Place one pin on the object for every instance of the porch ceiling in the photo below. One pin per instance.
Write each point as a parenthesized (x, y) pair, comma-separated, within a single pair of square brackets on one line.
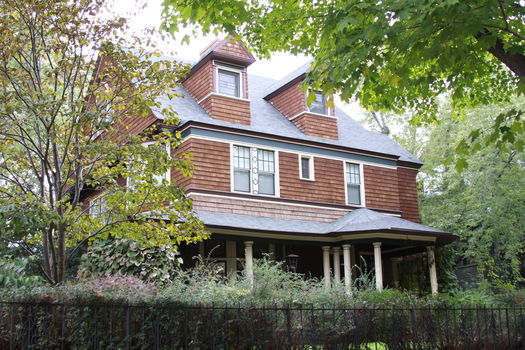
[(359, 225)]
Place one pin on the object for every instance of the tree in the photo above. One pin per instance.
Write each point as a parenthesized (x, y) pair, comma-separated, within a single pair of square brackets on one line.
[(392, 55), (71, 84)]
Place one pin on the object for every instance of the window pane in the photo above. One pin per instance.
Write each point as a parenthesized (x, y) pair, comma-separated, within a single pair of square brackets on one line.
[(266, 184), (241, 180), (241, 157), (354, 194), (305, 168), (353, 174), (228, 83), (265, 161), (319, 105)]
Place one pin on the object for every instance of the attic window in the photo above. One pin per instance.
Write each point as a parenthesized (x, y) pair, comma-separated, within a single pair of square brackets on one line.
[(229, 82), (319, 104)]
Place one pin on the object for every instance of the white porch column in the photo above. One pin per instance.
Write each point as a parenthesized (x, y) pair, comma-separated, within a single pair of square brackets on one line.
[(433, 273), (248, 256), (326, 266), (337, 264), (378, 266), (347, 268)]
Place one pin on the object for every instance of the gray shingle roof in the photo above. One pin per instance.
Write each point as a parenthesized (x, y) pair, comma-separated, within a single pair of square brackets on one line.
[(359, 220), (267, 119)]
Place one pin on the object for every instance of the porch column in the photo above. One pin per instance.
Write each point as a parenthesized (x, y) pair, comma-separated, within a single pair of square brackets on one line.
[(347, 268), (271, 251), (248, 256), (326, 266), (433, 273), (337, 264), (231, 259), (378, 266)]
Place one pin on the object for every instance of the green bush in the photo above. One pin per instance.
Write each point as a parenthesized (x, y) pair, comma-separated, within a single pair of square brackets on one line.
[(126, 257), (13, 273)]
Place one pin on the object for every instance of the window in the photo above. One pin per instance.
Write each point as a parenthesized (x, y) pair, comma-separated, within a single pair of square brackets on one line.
[(306, 164), (229, 82), (319, 104), (136, 163), (253, 170), (353, 183), (98, 209)]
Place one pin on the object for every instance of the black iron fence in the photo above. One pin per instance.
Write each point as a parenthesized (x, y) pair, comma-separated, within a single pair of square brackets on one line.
[(100, 326)]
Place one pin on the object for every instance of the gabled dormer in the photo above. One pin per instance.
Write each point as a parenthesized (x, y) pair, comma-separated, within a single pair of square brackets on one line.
[(289, 98), (219, 81)]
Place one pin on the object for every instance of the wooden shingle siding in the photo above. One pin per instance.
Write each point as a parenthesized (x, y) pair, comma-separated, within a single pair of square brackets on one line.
[(328, 186), (234, 48), (227, 109), (211, 165), (381, 187), (200, 83), (291, 101), (408, 199), (265, 209), (315, 125)]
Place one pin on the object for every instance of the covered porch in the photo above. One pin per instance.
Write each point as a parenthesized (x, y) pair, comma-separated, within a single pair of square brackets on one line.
[(337, 252)]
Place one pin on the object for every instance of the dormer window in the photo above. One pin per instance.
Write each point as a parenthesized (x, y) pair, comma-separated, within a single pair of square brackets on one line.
[(229, 80), (319, 104)]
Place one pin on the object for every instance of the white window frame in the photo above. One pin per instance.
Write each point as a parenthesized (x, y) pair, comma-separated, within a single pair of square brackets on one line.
[(310, 166), (276, 178), (239, 71), (329, 110), (100, 215), (361, 186), (167, 175)]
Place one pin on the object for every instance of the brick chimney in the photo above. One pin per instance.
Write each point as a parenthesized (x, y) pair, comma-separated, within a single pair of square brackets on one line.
[(219, 81), (289, 98)]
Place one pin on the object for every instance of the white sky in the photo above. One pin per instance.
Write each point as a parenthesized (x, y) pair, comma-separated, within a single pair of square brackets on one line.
[(277, 67)]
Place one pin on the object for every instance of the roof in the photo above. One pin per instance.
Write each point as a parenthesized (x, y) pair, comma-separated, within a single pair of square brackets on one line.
[(265, 118), (358, 221)]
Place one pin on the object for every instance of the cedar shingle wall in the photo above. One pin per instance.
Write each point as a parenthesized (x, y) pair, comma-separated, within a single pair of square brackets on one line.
[(408, 194), (318, 126), (328, 186), (176, 176), (211, 165), (381, 187), (200, 83), (265, 209), (227, 109), (291, 101)]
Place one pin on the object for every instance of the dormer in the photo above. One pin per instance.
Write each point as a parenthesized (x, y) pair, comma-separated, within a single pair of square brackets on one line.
[(289, 98), (219, 81)]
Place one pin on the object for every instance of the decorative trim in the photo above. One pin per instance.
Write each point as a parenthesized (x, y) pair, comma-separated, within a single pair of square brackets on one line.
[(314, 114), (223, 95), (217, 139), (283, 201), (290, 236)]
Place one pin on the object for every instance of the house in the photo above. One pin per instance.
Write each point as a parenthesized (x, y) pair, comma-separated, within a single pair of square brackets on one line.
[(275, 176)]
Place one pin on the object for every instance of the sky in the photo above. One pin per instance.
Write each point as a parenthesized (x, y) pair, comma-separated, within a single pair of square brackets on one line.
[(277, 67)]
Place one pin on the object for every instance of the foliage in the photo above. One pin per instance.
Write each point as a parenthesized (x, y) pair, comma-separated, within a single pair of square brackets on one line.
[(126, 257), (71, 79), (13, 273), (485, 204), (392, 55)]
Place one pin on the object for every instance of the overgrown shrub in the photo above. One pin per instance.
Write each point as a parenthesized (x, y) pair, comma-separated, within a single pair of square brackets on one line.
[(13, 273), (126, 257)]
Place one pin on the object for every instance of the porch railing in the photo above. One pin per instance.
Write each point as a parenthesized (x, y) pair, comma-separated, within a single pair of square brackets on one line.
[(104, 326)]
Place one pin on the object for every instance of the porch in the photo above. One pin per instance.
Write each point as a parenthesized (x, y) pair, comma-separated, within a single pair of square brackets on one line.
[(336, 252)]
